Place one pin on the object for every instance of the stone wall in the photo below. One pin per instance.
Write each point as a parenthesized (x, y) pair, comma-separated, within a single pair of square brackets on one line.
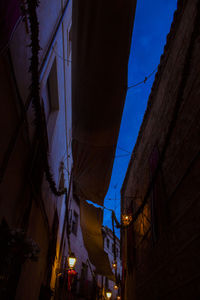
[(167, 263)]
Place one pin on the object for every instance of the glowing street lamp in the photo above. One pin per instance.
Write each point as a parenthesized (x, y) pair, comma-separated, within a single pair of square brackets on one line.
[(126, 219), (116, 287), (71, 261), (114, 264), (118, 297), (108, 294)]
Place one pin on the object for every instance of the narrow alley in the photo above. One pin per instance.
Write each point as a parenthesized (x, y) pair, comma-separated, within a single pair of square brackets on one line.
[(99, 159)]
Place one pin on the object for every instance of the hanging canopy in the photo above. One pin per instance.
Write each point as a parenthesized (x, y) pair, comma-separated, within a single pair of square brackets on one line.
[(91, 225), (10, 16), (101, 33)]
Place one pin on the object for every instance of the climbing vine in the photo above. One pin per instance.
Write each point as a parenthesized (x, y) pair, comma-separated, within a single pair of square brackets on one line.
[(35, 91)]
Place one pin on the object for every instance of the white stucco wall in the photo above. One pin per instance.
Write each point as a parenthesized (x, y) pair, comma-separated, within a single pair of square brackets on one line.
[(49, 12)]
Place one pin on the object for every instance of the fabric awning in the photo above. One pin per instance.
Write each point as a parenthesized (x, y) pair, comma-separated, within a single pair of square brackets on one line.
[(101, 34), (91, 224), (10, 16)]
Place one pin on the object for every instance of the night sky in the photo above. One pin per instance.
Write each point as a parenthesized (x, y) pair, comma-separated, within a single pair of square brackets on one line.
[(152, 24)]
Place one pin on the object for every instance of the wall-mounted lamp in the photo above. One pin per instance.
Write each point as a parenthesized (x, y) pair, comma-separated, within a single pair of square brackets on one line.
[(71, 261), (114, 264), (108, 294), (126, 219)]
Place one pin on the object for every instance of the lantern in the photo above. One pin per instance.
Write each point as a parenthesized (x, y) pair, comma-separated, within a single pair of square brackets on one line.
[(114, 264), (108, 294), (126, 219), (71, 260), (118, 297), (116, 287)]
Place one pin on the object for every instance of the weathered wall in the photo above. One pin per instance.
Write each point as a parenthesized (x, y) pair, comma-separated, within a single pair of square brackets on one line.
[(78, 247), (168, 267), (26, 201), (101, 280)]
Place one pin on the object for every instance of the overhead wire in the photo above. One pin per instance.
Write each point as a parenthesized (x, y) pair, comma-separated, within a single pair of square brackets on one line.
[(129, 87), (123, 155), (143, 81), (124, 149), (177, 106)]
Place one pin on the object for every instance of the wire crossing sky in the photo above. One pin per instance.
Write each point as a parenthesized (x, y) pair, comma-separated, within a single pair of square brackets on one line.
[(152, 24)]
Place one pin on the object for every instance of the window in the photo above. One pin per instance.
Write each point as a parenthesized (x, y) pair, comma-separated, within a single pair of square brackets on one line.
[(116, 252), (108, 243), (106, 283), (50, 100), (84, 271), (113, 248), (69, 44), (74, 223), (104, 238)]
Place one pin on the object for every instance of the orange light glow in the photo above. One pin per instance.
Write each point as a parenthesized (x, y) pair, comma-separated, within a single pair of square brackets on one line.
[(126, 219), (114, 264)]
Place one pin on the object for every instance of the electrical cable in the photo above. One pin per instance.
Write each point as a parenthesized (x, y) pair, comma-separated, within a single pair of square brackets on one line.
[(123, 155), (179, 99), (143, 81), (129, 87), (124, 149)]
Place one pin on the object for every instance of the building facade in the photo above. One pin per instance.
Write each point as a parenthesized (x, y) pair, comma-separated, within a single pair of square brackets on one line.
[(104, 283), (85, 286), (160, 193), (36, 160), (39, 212)]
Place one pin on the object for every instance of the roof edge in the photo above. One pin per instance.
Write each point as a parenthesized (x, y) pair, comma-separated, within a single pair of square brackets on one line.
[(163, 61)]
